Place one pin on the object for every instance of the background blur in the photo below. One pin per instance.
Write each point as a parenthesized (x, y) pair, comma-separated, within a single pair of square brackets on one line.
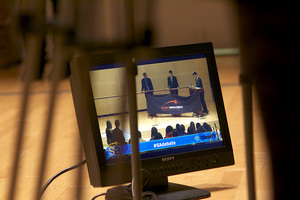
[(174, 22)]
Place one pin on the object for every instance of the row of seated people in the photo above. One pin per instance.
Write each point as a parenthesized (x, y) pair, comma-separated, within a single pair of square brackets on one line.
[(180, 130), (116, 135)]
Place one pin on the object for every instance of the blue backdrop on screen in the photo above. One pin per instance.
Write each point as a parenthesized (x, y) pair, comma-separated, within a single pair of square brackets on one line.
[(171, 104)]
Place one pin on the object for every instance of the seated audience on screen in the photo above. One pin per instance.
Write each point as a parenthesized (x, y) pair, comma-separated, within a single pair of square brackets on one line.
[(175, 133), (200, 129), (158, 136), (207, 126), (182, 130), (178, 128), (108, 131), (140, 137), (153, 133), (169, 132), (117, 134), (190, 131), (191, 128)]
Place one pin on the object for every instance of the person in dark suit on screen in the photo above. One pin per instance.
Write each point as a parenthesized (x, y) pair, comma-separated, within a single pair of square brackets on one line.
[(201, 94), (172, 83), (146, 85)]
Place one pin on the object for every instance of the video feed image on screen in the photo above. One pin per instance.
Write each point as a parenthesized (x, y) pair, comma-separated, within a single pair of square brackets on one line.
[(165, 120)]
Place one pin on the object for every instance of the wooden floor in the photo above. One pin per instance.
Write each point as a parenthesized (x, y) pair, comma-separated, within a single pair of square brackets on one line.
[(224, 183)]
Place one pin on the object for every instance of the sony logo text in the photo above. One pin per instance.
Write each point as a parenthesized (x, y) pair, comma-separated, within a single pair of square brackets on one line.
[(168, 158)]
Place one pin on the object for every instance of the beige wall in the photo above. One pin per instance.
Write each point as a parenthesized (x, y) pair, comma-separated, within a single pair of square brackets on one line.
[(108, 85), (178, 22), (175, 22)]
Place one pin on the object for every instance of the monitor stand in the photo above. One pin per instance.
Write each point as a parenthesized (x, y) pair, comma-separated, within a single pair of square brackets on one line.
[(163, 189)]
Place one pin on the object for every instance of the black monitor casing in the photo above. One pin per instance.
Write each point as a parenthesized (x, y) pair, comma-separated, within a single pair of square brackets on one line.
[(102, 174)]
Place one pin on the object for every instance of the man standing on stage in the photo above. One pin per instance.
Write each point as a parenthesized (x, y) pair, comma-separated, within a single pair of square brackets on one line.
[(172, 83), (201, 94), (147, 85)]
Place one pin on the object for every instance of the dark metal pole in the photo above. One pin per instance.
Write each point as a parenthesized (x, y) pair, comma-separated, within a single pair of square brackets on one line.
[(135, 152), (248, 121), (33, 49), (131, 72)]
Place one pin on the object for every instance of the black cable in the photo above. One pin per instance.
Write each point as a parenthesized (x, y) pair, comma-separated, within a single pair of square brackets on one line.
[(98, 195), (60, 173), (149, 193)]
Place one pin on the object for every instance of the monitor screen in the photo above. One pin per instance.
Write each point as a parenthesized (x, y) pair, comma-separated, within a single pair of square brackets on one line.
[(160, 104), (182, 122)]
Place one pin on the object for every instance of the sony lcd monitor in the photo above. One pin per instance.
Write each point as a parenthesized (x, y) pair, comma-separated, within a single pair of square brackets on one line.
[(182, 122)]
